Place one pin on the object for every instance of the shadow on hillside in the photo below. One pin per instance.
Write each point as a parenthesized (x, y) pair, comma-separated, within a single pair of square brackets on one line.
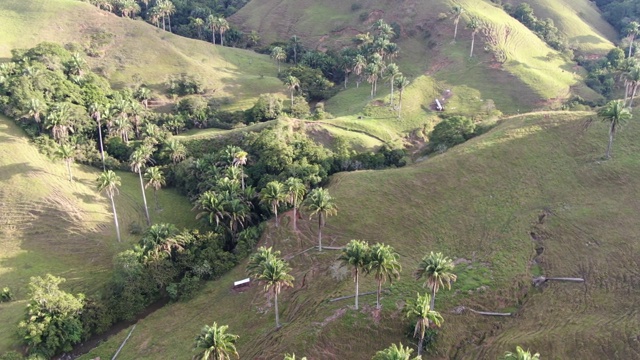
[(589, 39), (9, 171)]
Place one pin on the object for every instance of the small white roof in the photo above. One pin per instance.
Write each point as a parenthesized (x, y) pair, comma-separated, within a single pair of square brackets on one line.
[(241, 282)]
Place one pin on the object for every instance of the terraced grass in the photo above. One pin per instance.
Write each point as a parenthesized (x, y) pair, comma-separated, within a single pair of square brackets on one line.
[(233, 76), (481, 203), (48, 225)]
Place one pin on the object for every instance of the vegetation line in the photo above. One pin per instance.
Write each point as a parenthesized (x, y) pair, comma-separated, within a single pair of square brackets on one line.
[(124, 342), (348, 129)]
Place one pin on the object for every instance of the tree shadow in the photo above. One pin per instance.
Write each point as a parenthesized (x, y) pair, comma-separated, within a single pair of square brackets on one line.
[(7, 172)]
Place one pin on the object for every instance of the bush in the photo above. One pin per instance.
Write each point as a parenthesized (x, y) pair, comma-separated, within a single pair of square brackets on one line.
[(268, 107), (6, 295), (356, 6), (11, 355), (452, 131)]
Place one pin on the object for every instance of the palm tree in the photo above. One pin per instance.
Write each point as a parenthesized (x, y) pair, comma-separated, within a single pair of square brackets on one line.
[(474, 26), (278, 54), (214, 343), (320, 203), (36, 109), (174, 150), (155, 179), (168, 9), (359, 64), (211, 205), (383, 263), (275, 276), (240, 160), (199, 24), (237, 212), (222, 26), (137, 161), (58, 122), (633, 82), (295, 43), (401, 84), (95, 111), (395, 352), (213, 25), (108, 182), (292, 84), (66, 152), (520, 354), (632, 30), (437, 271), (616, 114), (295, 191), (356, 254), (273, 194), (457, 13), (421, 311), (391, 72), (257, 260), (144, 95)]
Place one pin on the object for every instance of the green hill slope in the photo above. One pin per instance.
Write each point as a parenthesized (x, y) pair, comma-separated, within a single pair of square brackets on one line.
[(532, 197), (134, 47), (48, 225)]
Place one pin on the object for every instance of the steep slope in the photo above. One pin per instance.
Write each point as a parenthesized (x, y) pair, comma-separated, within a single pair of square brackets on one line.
[(532, 197), (48, 225), (133, 48), (512, 66)]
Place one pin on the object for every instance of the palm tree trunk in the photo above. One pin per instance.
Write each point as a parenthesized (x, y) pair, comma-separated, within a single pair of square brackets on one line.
[(101, 146), (115, 217), (420, 342), (144, 198), (378, 295), (631, 45), (68, 162), (221, 41), (372, 90), (346, 77), (612, 130), (633, 94), (164, 21), (357, 288), (391, 102), (433, 298), (155, 195), (626, 90), (278, 65), (400, 104), (375, 87), (275, 211), (473, 40), (455, 34), (277, 315), (320, 232), (291, 100), (295, 217), (169, 21), (242, 177)]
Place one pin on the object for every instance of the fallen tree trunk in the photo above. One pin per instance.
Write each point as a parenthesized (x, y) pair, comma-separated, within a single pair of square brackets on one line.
[(541, 280), (352, 296), (460, 309)]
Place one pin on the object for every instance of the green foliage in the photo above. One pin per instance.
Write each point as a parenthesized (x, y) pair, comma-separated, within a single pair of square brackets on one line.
[(52, 322), (6, 295), (300, 109), (452, 131), (268, 107), (214, 343), (11, 355), (184, 84), (395, 352), (520, 354), (545, 29), (313, 83)]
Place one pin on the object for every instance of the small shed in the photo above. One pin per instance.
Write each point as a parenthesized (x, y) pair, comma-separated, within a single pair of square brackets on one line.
[(241, 283)]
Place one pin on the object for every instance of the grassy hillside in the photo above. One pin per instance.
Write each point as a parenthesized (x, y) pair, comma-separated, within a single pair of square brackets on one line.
[(580, 21), (134, 47), (530, 197), (48, 225)]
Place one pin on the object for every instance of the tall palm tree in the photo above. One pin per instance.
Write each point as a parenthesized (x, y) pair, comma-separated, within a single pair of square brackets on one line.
[(238, 213), (395, 352), (371, 72), (257, 260), (275, 276), (212, 23), (211, 206), (278, 54), (273, 194), (457, 13), (95, 111), (437, 270), (421, 311), (108, 182), (632, 30), (223, 26), (294, 41), (383, 263), (632, 79), (391, 72), (155, 179), (174, 150), (292, 84), (320, 203), (474, 26), (66, 152), (295, 190), (137, 161), (359, 64), (240, 160), (58, 122), (520, 354), (401, 84), (214, 343), (199, 24), (356, 254), (616, 114)]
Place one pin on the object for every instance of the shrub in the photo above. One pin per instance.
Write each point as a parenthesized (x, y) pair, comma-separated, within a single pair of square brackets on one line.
[(452, 131), (268, 107), (6, 295), (356, 6)]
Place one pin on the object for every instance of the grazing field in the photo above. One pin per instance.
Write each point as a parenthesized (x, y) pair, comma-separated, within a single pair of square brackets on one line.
[(531, 197), (49, 225), (131, 48)]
